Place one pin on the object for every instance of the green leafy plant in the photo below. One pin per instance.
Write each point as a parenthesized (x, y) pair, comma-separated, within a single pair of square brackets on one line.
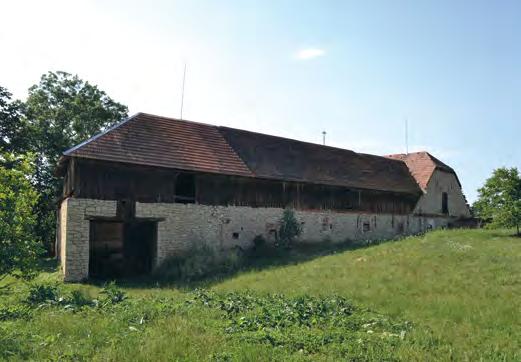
[(289, 228), (79, 298), (306, 324), (113, 294), (43, 293)]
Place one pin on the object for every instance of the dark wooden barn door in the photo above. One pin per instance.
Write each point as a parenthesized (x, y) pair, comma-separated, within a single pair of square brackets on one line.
[(106, 249), (139, 247), (119, 250)]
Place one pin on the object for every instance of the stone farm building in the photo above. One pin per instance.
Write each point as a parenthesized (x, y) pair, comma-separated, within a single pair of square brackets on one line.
[(150, 187)]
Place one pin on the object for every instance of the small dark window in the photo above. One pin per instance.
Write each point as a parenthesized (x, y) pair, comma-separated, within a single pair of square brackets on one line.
[(366, 227), (349, 199), (235, 235), (444, 203), (185, 188)]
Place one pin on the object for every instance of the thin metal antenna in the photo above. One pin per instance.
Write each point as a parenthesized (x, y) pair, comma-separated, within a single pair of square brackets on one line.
[(324, 138), (406, 136), (183, 92)]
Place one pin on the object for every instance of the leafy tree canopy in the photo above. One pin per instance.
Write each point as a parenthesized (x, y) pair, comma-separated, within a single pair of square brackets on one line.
[(13, 127), (500, 199), (65, 110), (61, 111)]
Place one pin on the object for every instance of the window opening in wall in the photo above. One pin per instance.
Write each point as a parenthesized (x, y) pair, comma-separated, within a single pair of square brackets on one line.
[(185, 188), (366, 226), (444, 203), (235, 235)]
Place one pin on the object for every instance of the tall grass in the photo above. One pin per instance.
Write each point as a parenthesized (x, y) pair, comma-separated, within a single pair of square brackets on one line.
[(464, 284), (455, 294)]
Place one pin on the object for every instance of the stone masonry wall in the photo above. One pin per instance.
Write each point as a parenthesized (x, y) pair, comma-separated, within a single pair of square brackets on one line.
[(74, 234), (222, 227), (227, 227)]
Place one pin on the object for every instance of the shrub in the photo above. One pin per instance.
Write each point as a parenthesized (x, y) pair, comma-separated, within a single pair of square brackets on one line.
[(43, 293), (79, 298), (113, 294), (289, 228)]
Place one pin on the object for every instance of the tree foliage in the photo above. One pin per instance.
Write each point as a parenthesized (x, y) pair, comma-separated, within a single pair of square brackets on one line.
[(61, 111), (500, 199), (19, 248), (13, 127), (64, 110)]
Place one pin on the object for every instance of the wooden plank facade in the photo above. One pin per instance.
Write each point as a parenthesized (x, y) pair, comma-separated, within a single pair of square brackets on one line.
[(103, 180)]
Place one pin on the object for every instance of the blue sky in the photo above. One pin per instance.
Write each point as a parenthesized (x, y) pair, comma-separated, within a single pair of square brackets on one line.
[(295, 68)]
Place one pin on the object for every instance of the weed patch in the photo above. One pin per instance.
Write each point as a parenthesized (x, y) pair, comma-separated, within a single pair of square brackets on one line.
[(307, 325)]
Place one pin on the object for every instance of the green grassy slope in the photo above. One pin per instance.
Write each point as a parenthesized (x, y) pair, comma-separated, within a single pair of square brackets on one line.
[(460, 289), (464, 284)]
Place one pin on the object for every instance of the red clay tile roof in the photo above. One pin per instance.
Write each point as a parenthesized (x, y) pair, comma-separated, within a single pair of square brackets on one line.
[(286, 159), (422, 165), (166, 142), (158, 141)]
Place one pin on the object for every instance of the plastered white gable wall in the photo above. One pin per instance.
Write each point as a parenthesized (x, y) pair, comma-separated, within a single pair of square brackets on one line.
[(430, 202)]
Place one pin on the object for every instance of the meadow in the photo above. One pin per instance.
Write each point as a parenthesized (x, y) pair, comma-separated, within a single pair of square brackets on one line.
[(446, 295)]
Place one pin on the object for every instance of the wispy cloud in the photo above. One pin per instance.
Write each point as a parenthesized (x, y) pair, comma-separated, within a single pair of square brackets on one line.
[(309, 53)]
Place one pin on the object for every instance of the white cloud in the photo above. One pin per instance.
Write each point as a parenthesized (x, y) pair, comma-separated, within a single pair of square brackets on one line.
[(310, 53)]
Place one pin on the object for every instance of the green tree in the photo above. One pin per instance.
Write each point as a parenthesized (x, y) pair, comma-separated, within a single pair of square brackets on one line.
[(62, 110), (19, 248), (289, 228), (65, 110), (14, 129), (500, 199)]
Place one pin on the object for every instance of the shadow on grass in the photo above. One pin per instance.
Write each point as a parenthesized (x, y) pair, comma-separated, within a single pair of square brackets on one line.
[(267, 258)]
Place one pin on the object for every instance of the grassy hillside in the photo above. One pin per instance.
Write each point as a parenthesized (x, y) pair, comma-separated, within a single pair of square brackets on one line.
[(465, 285), (446, 295)]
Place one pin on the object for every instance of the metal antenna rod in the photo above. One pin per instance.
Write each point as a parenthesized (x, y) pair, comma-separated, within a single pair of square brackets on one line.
[(324, 138), (406, 136), (183, 92)]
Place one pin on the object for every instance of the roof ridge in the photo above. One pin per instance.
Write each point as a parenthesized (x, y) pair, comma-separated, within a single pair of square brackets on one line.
[(177, 119), (217, 127), (288, 139), (266, 134)]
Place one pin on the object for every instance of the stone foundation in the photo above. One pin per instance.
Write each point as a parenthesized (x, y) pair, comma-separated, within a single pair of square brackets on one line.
[(223, 227)]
